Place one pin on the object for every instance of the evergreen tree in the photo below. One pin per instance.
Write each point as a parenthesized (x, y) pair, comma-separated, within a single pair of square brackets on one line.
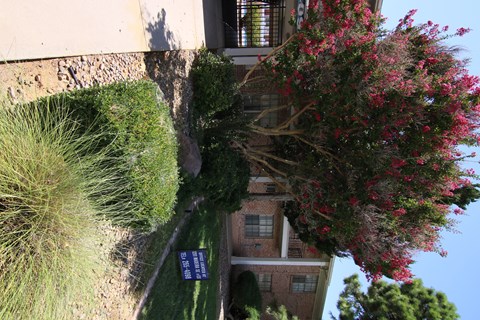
[(391, 301)]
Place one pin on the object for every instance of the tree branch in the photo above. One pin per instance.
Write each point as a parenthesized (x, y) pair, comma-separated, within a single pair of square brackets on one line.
[(321, 151), (271, 156), (273, 132), (259, 160), (295, 116), (269, 110), (249, 73)]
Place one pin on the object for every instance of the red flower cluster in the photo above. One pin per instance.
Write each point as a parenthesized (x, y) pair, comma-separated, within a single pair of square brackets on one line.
[(388, 112)]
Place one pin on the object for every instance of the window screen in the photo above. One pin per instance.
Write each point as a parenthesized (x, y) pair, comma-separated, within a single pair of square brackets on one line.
[(264, 281), (257, 226), (304, 283)]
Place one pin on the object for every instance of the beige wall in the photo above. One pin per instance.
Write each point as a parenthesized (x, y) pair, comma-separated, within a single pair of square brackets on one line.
[(32, 29)]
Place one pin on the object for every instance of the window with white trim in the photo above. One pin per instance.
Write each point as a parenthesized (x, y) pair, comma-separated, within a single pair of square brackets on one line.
[(304, 283), (258, 226), (264, 281)]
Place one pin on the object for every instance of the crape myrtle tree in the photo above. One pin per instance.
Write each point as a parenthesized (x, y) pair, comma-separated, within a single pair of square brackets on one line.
[(392, 301), (369, 152)]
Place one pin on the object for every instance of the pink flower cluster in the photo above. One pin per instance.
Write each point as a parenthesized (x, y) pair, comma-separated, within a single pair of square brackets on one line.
[(389, 115)]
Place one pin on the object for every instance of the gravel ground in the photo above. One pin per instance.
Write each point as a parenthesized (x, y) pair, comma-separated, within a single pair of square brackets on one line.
[(121, 249)]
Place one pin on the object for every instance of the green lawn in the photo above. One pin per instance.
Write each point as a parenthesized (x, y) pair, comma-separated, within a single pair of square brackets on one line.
[(157, 242), (172, 298)]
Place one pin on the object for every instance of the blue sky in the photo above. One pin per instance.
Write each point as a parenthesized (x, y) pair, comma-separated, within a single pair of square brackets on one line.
[(457, 274)]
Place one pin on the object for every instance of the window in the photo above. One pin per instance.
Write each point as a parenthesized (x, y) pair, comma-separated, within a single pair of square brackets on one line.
[(271, 188), (253, 104), (264, 281), (304, 283), (294, 236), (257, 226)]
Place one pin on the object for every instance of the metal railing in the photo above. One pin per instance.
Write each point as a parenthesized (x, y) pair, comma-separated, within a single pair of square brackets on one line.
[(258, 24)]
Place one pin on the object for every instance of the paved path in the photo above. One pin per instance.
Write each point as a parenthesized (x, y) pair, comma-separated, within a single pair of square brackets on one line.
[(35, 29)]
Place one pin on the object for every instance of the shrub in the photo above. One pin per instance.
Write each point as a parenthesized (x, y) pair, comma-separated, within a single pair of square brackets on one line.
[(224, 177), (52, 189), (218, 119), (253, 314), (132, 118), (214, 84), (246, 293)]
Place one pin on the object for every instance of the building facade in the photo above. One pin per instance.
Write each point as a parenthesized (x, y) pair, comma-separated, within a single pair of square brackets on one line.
[(288, 271)]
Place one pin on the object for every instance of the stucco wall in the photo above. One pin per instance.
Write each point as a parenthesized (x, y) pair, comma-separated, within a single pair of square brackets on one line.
[(32, 29)]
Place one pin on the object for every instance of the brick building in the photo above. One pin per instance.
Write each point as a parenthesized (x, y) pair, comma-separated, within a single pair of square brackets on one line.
[(288, 272), (262, 241)]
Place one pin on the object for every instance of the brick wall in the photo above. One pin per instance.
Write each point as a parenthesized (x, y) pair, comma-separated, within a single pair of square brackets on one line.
[(252, 246), (300, 304)]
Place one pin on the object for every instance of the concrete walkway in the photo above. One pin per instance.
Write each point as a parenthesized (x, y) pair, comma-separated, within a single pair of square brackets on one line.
[(35, 29)]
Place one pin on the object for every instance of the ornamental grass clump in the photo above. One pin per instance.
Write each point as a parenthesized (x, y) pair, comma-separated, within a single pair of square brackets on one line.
[(132, 121), (53, 190)]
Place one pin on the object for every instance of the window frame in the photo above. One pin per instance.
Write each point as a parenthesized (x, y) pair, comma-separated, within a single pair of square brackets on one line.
[(270, 188), (254, 228), (264, 281), (255, 103), (304, 283)]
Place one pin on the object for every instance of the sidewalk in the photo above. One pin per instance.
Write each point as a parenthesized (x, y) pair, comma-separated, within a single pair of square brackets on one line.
[(35, 29)]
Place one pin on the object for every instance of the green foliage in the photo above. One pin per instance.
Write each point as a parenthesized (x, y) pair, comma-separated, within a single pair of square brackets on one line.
[(280, 313), (214, 84), (246, 293), (218, 119), (253, 314), (392, 301), (138, 125), (217, 104), (463, 196), (224, 177), (53, 189)]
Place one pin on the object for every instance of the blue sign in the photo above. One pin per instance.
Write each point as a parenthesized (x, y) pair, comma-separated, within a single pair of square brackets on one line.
[(193, 264)]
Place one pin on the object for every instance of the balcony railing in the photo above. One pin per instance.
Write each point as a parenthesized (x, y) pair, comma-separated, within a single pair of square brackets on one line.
[(255, 24)]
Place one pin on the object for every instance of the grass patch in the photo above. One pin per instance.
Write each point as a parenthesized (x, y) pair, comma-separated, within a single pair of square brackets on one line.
[(173, 298), (52, 189), (138, 126), (158, 239)]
